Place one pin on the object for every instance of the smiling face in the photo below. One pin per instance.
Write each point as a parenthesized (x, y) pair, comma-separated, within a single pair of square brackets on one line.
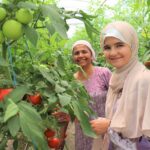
[(117, 53), (82, 55)]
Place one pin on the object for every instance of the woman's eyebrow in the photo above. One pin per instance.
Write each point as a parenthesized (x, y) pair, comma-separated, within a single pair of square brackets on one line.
[(119, 43), (114, 43)]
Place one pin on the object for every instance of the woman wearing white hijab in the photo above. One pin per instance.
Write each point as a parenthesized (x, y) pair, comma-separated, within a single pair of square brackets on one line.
[(127, 122), (96, 81)]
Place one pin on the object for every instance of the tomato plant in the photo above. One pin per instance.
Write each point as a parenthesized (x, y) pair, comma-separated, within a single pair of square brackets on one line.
[(54, 142), (32, 59)]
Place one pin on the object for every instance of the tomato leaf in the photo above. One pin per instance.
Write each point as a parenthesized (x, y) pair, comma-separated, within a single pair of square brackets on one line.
[(45, 73), (14, 125), (52, 99), (31, 35), (64, 83), (59, 89), (27, 5), (31, 125), (64, 99), (58, 23), (18, 93), (83, 118), (11, 110), (50, 28)]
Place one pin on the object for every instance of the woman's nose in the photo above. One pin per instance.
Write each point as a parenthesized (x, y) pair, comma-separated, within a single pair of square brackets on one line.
[(113, 51), (80, 54)]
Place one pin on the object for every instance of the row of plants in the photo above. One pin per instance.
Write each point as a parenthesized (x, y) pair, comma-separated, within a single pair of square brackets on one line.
[(36, 78)]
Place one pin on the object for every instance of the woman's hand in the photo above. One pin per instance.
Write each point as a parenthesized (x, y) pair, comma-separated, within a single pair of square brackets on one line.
[(100, 125)]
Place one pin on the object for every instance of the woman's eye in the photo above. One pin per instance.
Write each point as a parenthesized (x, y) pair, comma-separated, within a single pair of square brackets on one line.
[(106, 48), (84, 52), (80, 52), (120, 45), (76, 53)]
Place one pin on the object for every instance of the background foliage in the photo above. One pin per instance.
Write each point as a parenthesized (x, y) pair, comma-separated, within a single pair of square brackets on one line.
[(133, 11)]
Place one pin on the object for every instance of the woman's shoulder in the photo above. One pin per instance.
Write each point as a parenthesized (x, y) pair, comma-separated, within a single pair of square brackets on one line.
[(142, 77), (104, 73), (102, 69)]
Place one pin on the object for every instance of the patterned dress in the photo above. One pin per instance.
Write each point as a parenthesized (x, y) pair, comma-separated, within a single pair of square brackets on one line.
[(96, 86)]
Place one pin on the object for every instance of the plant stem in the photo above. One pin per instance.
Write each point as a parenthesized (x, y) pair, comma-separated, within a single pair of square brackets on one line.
[(5, 69), (4, 51)]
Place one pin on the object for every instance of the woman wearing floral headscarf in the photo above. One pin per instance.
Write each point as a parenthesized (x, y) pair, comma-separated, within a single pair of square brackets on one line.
[(127, 122), (95, 79)]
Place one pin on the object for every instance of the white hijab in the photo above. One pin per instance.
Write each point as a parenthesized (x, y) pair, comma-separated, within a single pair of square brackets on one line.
[(131, 117), (86, 43)]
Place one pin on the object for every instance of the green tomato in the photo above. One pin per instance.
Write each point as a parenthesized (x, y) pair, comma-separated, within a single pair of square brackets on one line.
[(1, 37), (24, 15), (2, 13), (12, 29)]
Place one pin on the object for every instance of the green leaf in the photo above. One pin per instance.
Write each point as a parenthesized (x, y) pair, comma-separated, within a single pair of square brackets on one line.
[(58, 23), (11, 110), (59, 89), (61, 65), (32, 126), (18, 93), (32, 131), (85, 15), (24, 126), (60, 61), (50, 28), (14, 125), (31, 35), (27, 5), (30, 111), (83, 118), (52, 99), (64, 99), (45, 73), (64, 83)]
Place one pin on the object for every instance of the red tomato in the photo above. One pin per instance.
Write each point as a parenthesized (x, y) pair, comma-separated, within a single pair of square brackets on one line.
[(4, 92), (34, 99), (49, 133), (54, 142)]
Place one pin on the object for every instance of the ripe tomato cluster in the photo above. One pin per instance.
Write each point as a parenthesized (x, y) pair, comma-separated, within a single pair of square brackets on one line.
[(53, 142), (34, 99), (49, 133)]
